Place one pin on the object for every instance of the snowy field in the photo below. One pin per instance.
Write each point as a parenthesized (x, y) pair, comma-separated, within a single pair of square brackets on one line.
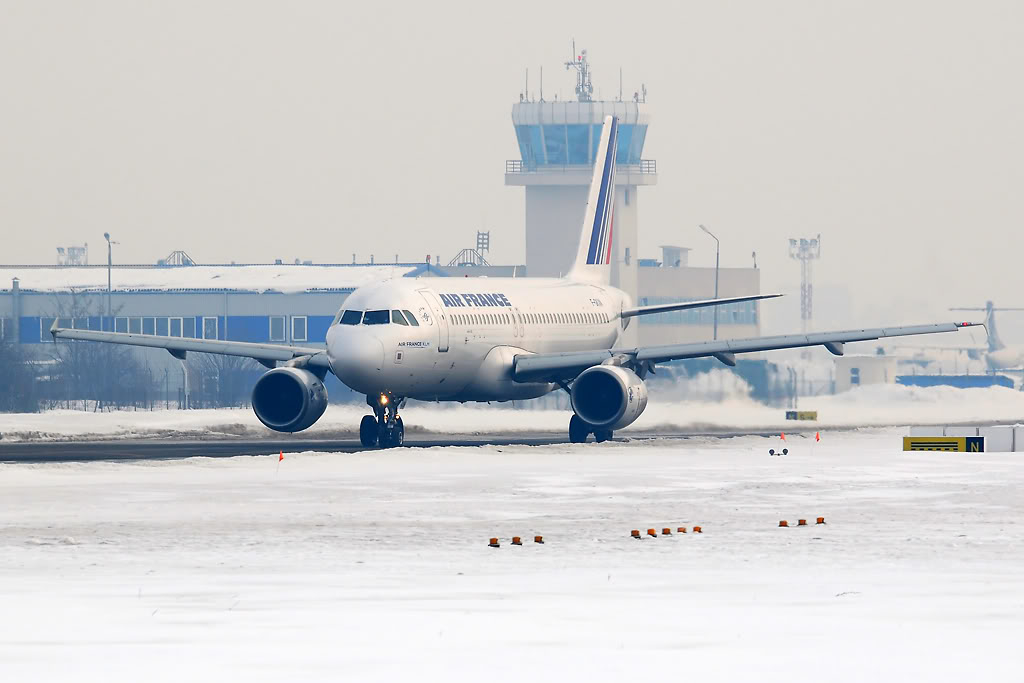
[(375, 566), (869, 406)]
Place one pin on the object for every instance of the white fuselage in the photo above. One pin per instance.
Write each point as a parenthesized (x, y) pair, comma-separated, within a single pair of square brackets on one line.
[(468, 332)]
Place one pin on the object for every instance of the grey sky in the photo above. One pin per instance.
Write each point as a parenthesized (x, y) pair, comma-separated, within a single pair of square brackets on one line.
[(251, 130)]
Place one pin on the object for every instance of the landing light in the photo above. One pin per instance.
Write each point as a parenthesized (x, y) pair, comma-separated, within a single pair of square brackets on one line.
[(383, 400)]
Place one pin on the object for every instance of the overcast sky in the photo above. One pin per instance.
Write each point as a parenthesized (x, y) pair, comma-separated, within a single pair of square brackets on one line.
[(249, 131)]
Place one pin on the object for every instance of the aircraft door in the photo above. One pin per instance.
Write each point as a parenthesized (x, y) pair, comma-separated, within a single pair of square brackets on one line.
[(438, 312), (518, 318)]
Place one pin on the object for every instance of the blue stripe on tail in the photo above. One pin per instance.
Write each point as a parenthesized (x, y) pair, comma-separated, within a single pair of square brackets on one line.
[(600, 229)]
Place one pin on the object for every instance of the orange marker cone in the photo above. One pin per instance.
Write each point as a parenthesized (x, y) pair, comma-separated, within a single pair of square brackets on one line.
[(494, 543), (516, 540), (681, 530), (652, 532), (782, 436), (281, 457), (697, 530), (666, 532), (817, 437), (635, 533), (538, 539), (783, 523)]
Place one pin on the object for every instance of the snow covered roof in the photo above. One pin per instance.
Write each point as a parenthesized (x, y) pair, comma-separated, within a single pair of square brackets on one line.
[(250, 278)]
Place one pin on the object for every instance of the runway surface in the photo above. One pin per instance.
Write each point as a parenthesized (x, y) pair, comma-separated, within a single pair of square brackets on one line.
[(169, 449)]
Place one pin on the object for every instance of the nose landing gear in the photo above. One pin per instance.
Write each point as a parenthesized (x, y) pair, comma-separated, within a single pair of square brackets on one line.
[(384, 428)]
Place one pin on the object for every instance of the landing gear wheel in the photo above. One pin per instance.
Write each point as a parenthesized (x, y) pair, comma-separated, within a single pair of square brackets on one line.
[(392, 436), (368, 431), (602, 435), (398, 434), (578, 429)]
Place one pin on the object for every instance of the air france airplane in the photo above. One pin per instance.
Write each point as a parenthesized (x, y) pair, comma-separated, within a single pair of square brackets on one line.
[(488, 339)]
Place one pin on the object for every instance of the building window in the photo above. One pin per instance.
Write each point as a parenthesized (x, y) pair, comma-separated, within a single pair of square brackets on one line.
[(299, 328), (135, 325), (5, 328), (149, 326), (277, 328), (121, 325), (188, 327), (209, 328), (175, 326), (161, 327), (855, 376)]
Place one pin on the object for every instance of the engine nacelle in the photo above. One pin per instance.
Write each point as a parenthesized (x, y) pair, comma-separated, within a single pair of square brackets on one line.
[(289, 399), (608, 396)]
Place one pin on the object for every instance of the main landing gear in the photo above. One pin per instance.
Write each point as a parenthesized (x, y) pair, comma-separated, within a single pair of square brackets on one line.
[(580, 430), (384, 428)]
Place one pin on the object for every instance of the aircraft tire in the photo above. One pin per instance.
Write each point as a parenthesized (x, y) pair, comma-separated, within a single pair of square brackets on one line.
[(602, 435), (578, 429), (398, 435), (368, 431)]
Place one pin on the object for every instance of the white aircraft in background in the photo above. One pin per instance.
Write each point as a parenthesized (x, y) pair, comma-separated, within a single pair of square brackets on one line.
[(489, 339)]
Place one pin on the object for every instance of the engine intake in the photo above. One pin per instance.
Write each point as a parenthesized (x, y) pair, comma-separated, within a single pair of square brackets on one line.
[(608, 396), (289, 399)]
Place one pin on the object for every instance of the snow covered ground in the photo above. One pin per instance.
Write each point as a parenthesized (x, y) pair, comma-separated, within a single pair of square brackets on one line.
[(375, 566), (878, 405)]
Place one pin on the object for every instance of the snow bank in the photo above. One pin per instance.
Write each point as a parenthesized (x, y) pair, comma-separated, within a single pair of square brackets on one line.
[(257, 278), (877, 405)]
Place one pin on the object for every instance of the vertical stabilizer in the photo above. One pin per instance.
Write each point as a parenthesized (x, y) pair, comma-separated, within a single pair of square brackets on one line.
[(594, 254)]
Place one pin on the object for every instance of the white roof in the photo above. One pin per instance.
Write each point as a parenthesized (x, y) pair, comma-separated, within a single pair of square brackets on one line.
[(253, 278)]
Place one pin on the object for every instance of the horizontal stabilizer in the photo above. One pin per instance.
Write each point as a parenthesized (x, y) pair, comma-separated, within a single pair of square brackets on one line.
[(685, 305)]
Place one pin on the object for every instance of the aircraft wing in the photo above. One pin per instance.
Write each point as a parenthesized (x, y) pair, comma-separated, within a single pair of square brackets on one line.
[(555, 367), (267, 354)]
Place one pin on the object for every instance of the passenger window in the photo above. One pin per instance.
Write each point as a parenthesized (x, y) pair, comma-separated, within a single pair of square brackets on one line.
[(398, 318), (377, 317), (411, 318), (351, 317)]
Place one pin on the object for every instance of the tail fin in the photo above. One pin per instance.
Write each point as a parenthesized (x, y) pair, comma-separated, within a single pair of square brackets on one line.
[(594, 254)]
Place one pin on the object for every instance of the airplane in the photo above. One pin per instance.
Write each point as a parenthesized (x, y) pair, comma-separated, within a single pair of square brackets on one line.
[(998, 356), (489, 339)]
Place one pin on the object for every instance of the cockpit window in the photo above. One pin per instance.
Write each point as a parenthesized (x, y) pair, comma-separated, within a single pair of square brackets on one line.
[(351, 317), (398, 318), (377, 317), (411, 318)]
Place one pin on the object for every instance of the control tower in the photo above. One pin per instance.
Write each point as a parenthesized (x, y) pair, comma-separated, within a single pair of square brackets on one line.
[(557, 145)]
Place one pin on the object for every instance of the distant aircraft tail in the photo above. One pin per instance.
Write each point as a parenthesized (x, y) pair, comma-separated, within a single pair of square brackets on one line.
[(594, 254), (994, 342)]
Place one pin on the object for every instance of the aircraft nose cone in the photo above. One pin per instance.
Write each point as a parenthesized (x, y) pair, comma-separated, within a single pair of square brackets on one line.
[(356, 358)]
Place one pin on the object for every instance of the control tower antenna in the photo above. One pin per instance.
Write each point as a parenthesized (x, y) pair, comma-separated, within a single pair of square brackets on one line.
[(805, 251), (584, 89)]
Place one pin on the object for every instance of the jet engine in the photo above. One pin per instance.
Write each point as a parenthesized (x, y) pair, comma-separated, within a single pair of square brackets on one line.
[(608, 397), (289, 399)]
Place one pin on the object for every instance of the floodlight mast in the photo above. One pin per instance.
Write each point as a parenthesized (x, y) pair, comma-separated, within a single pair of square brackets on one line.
[(805, 250)]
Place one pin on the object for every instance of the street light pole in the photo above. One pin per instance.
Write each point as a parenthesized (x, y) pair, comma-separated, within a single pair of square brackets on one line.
[(717, 251), (110, 263)]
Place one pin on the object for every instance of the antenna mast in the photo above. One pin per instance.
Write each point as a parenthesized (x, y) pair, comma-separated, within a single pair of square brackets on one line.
[(584, 88)]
